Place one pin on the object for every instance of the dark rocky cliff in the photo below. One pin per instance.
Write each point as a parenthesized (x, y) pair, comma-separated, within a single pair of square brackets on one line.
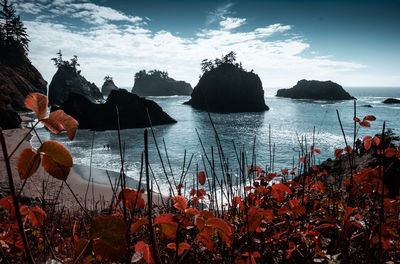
[(157, 83), (66, 80), (18, 78), (131, 108), (316, 90), (228, 88)]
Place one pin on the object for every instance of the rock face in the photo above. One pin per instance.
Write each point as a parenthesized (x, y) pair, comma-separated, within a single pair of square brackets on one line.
[(67, 80), (391, 101), (157, 83), (18, 78), (107, 87), (228, 88), (316, 90), (131, 108)]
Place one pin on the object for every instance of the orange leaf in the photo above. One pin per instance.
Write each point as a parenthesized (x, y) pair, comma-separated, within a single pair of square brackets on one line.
[(37, 102), (180, 202), (36, 216), (201, 177), (138, 224), (28, 162), (338, 153), (145, 250), (108, 235), (59, 121), (57, 160)]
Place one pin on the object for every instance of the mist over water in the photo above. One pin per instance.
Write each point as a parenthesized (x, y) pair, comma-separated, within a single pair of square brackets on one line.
[(289, 120)]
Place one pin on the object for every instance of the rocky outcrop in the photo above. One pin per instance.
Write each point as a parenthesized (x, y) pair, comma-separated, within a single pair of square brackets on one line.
[(107, 87), (157, 83), (68, 80), (316, 90), (131, 109), (391, 101), (228, 88), (18, 78)]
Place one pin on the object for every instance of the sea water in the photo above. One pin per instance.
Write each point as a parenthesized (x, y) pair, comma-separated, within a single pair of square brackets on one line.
[(280, 129)]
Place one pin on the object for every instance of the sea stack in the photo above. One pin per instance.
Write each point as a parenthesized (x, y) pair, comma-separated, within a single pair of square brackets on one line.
[(132, 111), (391, 101), (108, 86), (68, 79), (315, 90), (158, 83), (225, 87)]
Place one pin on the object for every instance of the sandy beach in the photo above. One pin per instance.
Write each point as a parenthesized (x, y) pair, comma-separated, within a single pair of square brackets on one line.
[(94, 196)]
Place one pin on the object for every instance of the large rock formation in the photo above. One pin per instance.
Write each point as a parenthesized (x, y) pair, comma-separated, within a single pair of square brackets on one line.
[(157, 83), (131, 109), (68, 80), (108, 86), (316, 90), (18, 78), (228, 88), (391, 101)]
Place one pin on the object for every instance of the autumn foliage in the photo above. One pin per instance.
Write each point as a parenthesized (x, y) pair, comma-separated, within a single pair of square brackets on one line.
[(291, 216)]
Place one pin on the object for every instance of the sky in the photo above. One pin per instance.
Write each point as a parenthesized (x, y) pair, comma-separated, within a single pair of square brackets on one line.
[(353, 42)]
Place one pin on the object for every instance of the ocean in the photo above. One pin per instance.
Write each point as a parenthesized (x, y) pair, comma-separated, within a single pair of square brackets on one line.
[(287, 122)]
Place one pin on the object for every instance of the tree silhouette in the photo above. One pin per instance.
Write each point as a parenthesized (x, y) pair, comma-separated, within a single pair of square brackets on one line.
[(230, 58), (72, 64), (12, 30), (108, 78)]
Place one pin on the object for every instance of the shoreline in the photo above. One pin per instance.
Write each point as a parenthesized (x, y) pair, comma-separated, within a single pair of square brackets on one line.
[(98, 195)]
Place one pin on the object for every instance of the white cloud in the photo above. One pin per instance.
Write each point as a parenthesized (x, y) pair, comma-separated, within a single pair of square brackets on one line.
[(96, 14), (232, 22), (121, 49), (219, 13)]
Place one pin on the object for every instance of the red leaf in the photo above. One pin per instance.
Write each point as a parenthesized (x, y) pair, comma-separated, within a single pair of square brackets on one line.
[(318, 151), (367, 142), (108, 236), (145, 250), (365, 124), (348, 149), (192, 211), (390, 152), (338, 153), (202, 177), (168, 225), (370, 118), (282, 187), (356, 119), (138, 224), (59, 121), (180, 203), (182, 247), (376, 140), (28, 162), (37, 102), (36, 216), (57, 160)]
